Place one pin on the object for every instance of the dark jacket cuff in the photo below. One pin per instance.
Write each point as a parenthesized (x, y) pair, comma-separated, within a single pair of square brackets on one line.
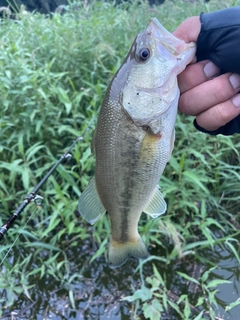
[(227, 130)]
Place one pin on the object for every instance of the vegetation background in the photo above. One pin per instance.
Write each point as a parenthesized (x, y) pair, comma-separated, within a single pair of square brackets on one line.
[(54, 71)]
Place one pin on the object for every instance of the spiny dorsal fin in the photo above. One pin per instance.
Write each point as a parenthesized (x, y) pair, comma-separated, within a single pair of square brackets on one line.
[(156, 205), (89, 204)]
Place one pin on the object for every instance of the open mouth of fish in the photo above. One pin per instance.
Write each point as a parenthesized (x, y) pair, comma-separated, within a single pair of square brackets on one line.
[(164, 38)]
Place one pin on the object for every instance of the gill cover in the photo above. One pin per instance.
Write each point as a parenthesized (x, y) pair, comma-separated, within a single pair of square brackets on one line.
[(151, 87)]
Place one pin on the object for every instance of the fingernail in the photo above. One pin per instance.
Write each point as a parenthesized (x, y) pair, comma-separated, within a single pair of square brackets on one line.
[(211, 70), (235, 80), (236, 101)]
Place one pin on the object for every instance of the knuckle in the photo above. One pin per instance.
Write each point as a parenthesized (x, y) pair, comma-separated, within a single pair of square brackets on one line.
[(219, 92), (191, 79), (222, 89), (223, 114), (184, 104)]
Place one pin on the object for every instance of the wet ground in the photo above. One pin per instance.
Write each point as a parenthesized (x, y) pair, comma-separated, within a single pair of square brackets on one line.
[(98, 291)]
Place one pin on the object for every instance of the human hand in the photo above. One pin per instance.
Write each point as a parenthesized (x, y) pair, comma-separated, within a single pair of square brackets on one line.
[(212, 98)]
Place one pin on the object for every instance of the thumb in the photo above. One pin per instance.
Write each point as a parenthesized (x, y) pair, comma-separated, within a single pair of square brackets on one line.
[(189, 29)]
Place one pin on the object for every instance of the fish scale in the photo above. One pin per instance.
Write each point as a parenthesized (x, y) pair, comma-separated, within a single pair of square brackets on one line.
[(134, 139)]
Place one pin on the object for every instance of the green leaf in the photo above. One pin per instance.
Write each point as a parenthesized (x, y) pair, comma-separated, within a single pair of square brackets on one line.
[(31, 152), (158, 275), (25, 177), (205, 275), (72, 300), (199, 317), (152, 310), (187, 309), (64, 98), (196, 179), (143, 294), (200, 302), (216, 282), (185, 276), (100, 251), (234, 251), (232, 305)]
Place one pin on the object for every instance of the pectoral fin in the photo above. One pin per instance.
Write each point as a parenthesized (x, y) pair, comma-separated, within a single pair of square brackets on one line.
[(89, 204), (156, 205)]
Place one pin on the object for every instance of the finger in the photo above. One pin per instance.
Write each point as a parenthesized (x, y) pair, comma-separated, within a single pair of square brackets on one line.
[(189, 29), (209, 94), (219, 115), (196, 74)]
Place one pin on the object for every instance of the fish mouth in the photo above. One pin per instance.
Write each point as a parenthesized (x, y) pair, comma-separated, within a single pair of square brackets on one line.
[(173, 45)]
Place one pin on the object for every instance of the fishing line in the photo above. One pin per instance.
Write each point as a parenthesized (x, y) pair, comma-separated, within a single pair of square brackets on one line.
[(38, 200), (12, 245)]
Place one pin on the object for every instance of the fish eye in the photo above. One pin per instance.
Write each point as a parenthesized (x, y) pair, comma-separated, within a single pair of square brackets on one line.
[(143, 54)]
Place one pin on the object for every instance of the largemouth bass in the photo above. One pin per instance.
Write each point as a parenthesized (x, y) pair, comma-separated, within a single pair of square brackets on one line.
[(134, 139)]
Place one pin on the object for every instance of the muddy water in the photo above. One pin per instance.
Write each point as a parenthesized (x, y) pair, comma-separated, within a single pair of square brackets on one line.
[(99, 290)]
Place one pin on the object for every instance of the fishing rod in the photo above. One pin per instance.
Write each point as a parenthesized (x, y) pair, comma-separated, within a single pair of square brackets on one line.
[(33, 196)]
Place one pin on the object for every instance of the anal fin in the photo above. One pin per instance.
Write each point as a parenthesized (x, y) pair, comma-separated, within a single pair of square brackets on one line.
[(89, 204), (156, 205)]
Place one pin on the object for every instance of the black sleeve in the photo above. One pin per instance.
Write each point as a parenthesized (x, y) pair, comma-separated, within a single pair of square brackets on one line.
[(219, 41)]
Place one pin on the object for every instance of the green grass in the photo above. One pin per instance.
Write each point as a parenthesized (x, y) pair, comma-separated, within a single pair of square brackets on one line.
[(53, 75)]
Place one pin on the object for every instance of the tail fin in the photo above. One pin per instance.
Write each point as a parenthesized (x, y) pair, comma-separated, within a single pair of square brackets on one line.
[(118, 252)]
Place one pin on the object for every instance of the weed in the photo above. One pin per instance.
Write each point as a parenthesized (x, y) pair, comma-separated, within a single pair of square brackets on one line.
[(53, 75)]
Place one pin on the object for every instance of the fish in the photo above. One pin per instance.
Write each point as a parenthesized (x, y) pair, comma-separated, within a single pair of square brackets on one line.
[(134, 139)]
